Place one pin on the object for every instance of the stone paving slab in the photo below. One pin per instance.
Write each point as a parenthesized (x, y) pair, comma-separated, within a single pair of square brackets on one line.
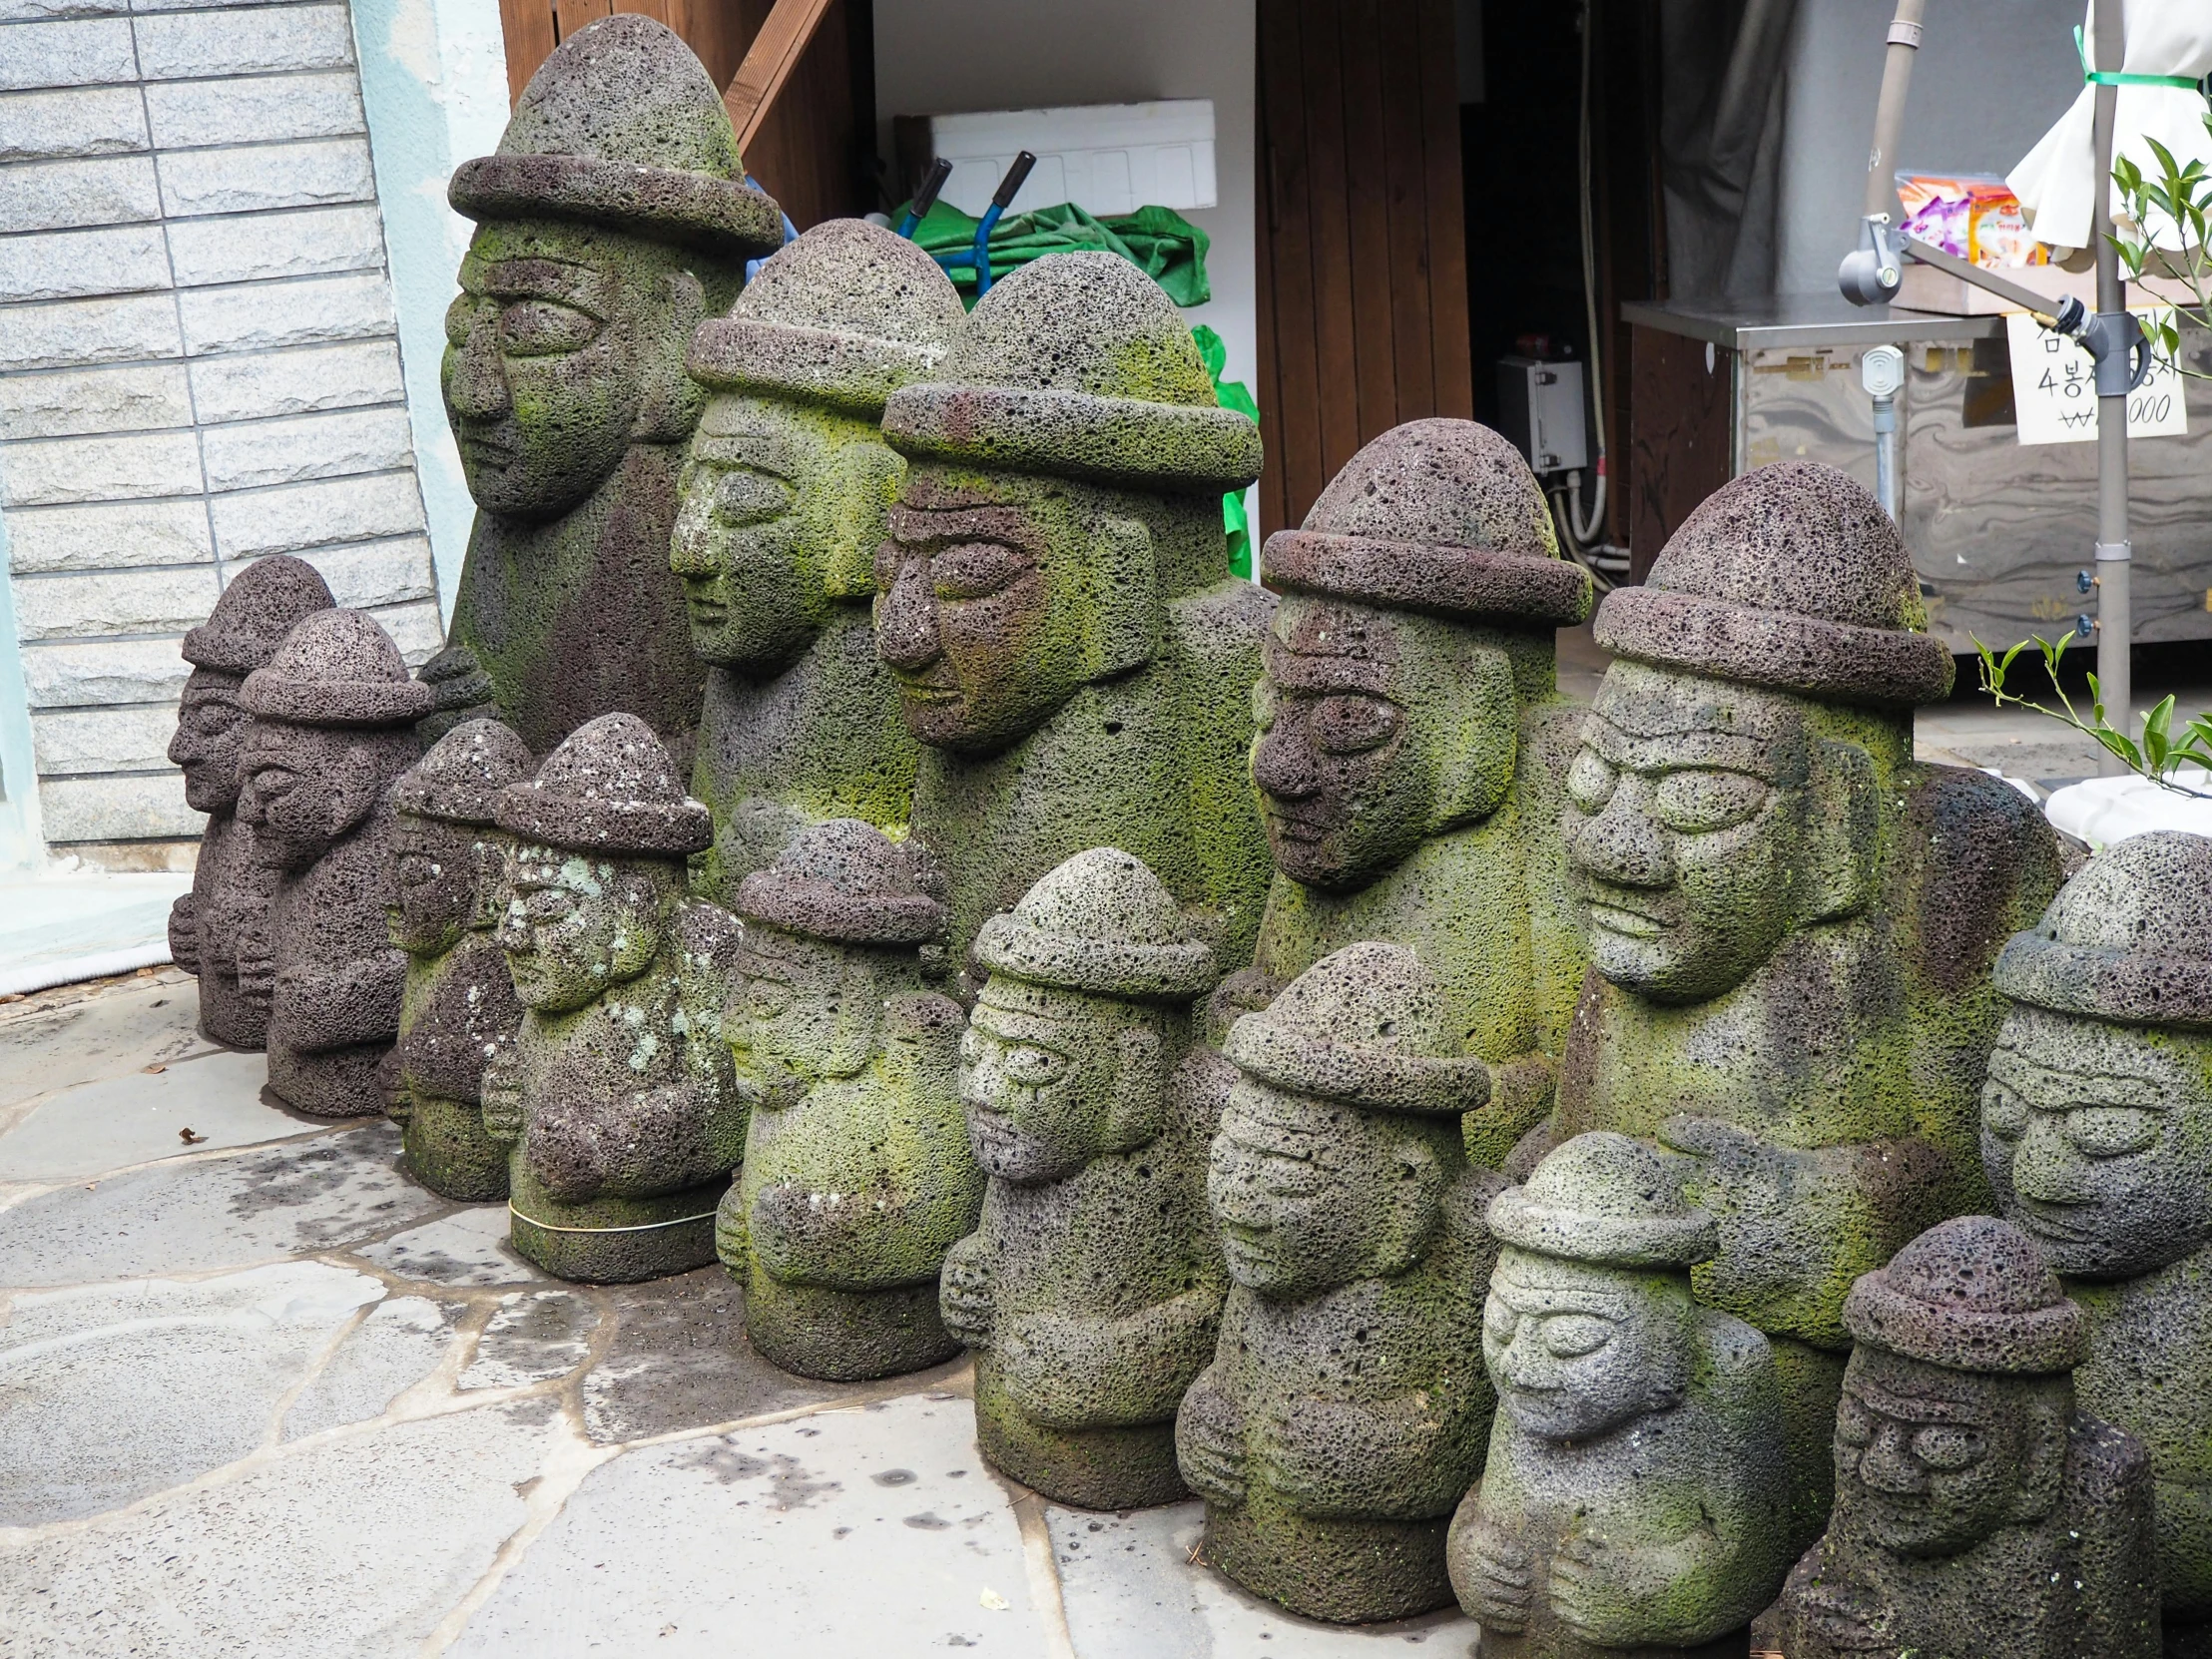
[(143, 1116), (467, 1248), (59, 1040)]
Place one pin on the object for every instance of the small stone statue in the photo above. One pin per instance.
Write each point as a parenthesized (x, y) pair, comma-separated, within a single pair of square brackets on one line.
[(229, 887), (857, 1176), (613, 219), (617, 1095), (1092, 1291), (1056, 607), (459, 1013), (1346, 1412), (333, 728), (782, 507), (1636, 1499), (1978, 1513), (1412, 746), (2096, 1127)]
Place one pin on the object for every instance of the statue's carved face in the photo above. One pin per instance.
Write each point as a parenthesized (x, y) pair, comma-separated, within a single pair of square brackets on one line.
[(1931, 1462), (576, 927), (1685, 828), (305, 788), (1577, 1350), (802, 1011), (1052, 1078), (445, 879), (1373, 734), (564, 349), (1309, 1195), (210, 740), (2099, 1140)]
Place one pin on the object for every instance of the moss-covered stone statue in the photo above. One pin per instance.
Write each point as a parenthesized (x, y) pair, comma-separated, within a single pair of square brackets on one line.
[(857, 1176), (1346, 1412), (229, 887), (617, 1096), (332, 728), (1092, 1289), (1791, 920), (1979, 1513), (1056, 607), (613, 219), (1636, 1500), (446, 888), (780, 510), (1412, 742), (2096, 1126)]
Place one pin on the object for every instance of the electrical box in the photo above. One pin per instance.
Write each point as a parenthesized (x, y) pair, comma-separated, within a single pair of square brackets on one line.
[(1540, 406)]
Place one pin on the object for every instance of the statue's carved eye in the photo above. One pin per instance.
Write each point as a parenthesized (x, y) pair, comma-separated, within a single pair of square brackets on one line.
[(748, 497), (972, 1047), (1699, 803), (2004, 1113), (547, 904), (1344, 724), (1571, 1336), (976, 569), (889, 557), (1590, 781), (1033, 1067), (1499, 1322), (767, 998), (541, 327), (2112, 1131), (1853, 1426), (416, 870), (215, 718), (461, 316), (1948, 1447)]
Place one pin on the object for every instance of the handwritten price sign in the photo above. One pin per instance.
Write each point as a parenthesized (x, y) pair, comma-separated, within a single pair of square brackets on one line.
[(2055, 391)]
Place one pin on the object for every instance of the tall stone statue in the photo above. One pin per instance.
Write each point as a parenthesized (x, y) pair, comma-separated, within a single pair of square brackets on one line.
[(1346, 1412), (857, 1176), (780, 510), (1979, 1513), (333, 728), (613, 219), (229, 887), (2096, 1126), (617, 1096), (1412, 743), (1791, 920), (1636, 1502), (1092, 1289), (447, 883), (1056, 607)]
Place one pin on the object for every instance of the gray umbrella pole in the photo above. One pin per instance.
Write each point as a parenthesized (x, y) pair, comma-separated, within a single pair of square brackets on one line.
[(2115, 631)]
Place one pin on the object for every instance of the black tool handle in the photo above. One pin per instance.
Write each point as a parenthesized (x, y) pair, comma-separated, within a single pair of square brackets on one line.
[(927, 197), (1016, 176)]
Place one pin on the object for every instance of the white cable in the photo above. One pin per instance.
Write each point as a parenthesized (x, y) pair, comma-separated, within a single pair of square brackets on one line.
[(1590, 532)]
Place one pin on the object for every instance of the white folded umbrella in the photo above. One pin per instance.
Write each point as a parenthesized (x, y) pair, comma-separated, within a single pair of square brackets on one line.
[(2169, 49)]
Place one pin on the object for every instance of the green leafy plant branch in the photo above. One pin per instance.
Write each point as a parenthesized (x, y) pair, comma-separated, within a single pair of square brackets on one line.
[(2182, 197), (2157, 754)]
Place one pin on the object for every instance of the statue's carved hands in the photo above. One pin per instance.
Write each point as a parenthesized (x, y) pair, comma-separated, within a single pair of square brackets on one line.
[(1500, 1578), (1210, 1440), (391, 1085), (966, 1297), (1847, 1613), (459, 681), (257, 960), (184, 933), (502, 1097), (1586, 1590), (733, 1244)]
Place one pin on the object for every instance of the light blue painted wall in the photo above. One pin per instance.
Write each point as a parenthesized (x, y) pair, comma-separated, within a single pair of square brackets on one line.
[(22, 840), (435, 85)]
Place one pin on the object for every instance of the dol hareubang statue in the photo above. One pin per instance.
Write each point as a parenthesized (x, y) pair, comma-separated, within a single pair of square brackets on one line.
[(458, 1013), (229, 887), (1978, 1513), (1092, 1289), (2096, 1126), (613, 219), (1413, 741), (617, 1096), (780, 510), (1055, 601), (1346, 1412)]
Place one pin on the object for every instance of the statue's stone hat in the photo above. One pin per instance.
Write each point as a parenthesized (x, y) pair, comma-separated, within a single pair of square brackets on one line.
[(337, 668), (609, 788), (1607, 1198), (1970, 1294), (1790, 577), (848, 881), (844, 317), (263, 604), (1365, 1025), (1101, 923), (462, 779), (1436, 515), (2129, 938), (1078, 365), (622, 126)]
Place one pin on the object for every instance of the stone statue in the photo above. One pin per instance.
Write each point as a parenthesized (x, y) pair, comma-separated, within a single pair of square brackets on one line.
[(446, 888), (1790, 921), (1980, 1514), (1346, 1412), (229, 887), (780, 509), (2096, 1127), (332, 728), (617, 1096), (1092, 1289), (1412, 743), (1056, 607), (1636, 1500), (613, 219), (857, 1176)]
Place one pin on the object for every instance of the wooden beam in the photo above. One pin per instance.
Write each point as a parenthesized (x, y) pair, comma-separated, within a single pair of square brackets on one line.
[(768, 62)]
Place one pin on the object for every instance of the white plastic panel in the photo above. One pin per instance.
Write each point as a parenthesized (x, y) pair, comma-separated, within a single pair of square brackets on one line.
[(1106, 158)]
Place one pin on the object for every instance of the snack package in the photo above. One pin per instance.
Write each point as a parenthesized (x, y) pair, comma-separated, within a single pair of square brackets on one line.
[(1973, 216)]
